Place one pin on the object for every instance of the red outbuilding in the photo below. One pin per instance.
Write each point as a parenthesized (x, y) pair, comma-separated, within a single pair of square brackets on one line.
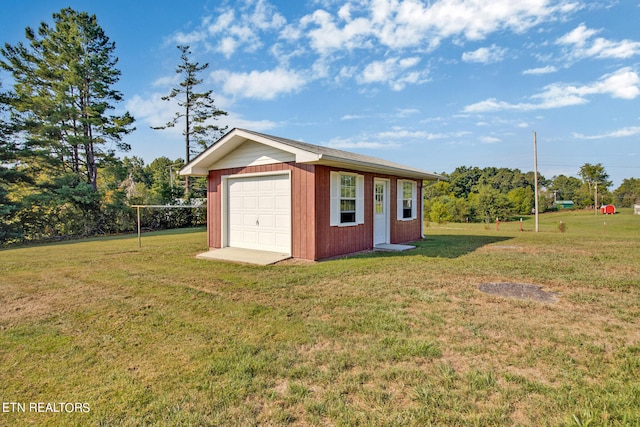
[(608, 209), (307, 201)]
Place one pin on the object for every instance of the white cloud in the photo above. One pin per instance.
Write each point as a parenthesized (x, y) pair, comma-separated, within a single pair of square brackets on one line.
[(423, 135), (404, 112), (485, 55), (403, 134), (620, 133), (335, 29), (581, 45), (166, 81), (352, 117), (623, 83), (235, 29), (412, 23), (578, 37), (394, 72), (153, 111), (489, 140), (542, 70), (262, 85), (351, 143)]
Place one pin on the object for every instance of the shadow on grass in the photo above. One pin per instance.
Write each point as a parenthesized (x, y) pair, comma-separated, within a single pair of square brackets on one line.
[(103, 237), (447, 246), (438, 246)]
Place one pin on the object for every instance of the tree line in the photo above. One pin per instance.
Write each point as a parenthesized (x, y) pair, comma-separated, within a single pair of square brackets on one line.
[(484, 195), (61, 174)]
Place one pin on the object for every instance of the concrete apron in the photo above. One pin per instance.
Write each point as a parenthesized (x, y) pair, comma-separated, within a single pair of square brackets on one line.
[(392, 247), (246, 256)]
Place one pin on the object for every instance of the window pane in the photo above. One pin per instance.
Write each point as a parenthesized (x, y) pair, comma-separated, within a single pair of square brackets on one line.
[(347, 217), (347, 186), (347, 199), (379, 199), (407, 190), (347, 205)]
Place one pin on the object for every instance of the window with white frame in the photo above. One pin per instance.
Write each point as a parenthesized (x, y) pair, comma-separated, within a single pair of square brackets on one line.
[(407, 199), (347, 199)]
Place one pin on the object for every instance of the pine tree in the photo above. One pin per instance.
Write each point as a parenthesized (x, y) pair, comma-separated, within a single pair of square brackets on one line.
[(9, 176), (63, 83), (196, 109)]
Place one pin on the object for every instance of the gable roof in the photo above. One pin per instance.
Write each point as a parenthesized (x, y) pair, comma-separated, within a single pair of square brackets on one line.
[(304, 153)]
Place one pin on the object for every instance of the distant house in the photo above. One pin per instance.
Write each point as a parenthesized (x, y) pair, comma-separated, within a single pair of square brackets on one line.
[(608, 209), (312, 202), (563, 204)]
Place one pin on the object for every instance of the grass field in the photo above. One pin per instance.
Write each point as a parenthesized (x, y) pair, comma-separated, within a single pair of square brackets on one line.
[(153, 336)]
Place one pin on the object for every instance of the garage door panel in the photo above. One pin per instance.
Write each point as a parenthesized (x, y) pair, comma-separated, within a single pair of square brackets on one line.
[(259, 213), (281, 221), (265, 202), (248, 219), (266, 239), (282, 203), (235, 203), (249, 185), (266, 223), (281, 185), (249, 237), (250, 204), (264, 185), (235, 219), (282, 239)]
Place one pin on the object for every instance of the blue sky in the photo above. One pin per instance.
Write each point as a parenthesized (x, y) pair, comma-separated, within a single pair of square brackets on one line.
[(431, 84)]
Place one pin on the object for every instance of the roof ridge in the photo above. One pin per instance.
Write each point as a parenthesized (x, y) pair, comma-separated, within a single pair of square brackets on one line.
[(335, 152)]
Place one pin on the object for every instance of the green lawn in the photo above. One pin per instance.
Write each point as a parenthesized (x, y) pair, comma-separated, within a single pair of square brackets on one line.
[(153, 336)]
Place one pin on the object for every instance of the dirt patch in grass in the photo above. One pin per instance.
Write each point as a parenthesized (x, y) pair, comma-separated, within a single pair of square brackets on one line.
[(522, 291)]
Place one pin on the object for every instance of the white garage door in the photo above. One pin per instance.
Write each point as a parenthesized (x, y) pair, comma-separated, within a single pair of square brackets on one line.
[(259, 214)]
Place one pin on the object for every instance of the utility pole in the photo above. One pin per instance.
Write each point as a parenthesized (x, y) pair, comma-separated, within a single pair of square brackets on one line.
[(595, 198), (535, 179)]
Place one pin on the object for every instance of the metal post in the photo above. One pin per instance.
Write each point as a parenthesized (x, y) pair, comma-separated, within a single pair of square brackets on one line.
[(595, 198), (535, 171)]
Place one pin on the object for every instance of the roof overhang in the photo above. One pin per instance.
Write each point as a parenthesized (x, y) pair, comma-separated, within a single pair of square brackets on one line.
[(232, 140), (201, 165), (405, 172)]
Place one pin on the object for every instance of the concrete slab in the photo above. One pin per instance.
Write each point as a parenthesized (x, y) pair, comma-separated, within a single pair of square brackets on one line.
[(392, 248), (246, 256)]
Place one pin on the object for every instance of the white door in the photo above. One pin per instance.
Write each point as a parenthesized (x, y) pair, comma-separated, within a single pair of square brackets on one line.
[(380, 211), (259, 213)]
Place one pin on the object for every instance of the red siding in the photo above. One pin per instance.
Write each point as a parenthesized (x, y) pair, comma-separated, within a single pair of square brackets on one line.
[(302, 214), (302, 201), (312, 236), (333, 241), (405, 231), (214, 210)]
